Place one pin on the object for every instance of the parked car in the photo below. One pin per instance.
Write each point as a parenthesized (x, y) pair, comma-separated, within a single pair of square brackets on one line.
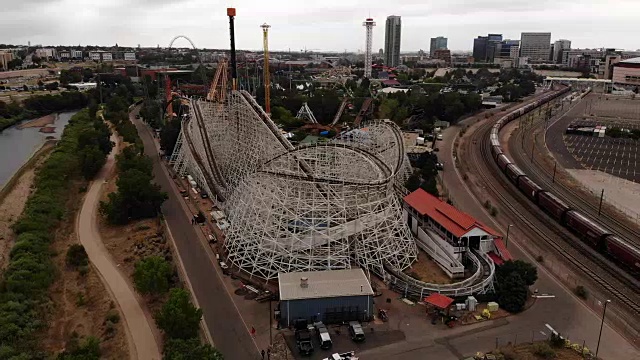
[(323, 336), (356, 332), (303, 337)]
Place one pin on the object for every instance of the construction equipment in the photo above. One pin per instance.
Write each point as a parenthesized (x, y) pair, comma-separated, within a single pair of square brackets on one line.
[(267, 76)]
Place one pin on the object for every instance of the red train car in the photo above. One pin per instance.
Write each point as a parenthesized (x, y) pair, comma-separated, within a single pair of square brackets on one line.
[(554, 206), (586, 229), (528, 187), (623, 252), (503, 161)]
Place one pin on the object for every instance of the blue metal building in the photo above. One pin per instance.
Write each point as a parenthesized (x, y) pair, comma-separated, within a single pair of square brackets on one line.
[(330, 296)]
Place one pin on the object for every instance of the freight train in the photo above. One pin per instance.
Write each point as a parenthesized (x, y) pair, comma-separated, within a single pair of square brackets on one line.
[(603, 240)]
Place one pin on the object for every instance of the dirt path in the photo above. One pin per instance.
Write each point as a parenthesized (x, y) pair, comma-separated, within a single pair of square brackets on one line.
[(142, 344)]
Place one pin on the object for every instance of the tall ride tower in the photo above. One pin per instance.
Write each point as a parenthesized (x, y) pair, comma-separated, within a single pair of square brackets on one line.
[(231, 13), (369, 24), (267, 76)]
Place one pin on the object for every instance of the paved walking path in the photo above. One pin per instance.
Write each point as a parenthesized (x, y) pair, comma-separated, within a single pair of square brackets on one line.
[(142, 343)]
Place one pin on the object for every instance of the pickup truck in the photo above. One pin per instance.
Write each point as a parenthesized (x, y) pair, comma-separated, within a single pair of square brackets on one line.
[(303, 342)]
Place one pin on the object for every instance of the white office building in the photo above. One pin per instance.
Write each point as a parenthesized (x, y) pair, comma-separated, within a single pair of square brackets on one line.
[(535, 46)]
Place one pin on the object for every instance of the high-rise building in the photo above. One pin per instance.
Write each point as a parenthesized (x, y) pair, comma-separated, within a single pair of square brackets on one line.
[(535, 45), (480, 48), (558, 47), (484, 47), (392, 37), (437, 43)]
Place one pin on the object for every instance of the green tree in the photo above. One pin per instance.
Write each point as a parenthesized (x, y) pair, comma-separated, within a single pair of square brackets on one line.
[(137, 198), (413, 182), (178, 318), (169, 135), (89, 349), (525, 270), (512, 292), (91, 161), (77, 256), (152, 275), (190, 349)]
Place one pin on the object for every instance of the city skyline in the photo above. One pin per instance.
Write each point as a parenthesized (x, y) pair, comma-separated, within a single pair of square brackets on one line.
[(314, 26)]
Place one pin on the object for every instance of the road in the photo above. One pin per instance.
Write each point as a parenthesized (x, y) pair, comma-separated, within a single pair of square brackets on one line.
[(566, 313), (141, 340), (222, 318)]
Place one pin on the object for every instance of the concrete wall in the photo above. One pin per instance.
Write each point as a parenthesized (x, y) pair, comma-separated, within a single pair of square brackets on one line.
[(620, 75), (315, 309)]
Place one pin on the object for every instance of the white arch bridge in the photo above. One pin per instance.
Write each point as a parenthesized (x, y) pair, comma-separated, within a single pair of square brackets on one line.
[(312, 207)]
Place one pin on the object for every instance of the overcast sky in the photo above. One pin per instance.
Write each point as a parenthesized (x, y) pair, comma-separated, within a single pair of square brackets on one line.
[(315, 24)]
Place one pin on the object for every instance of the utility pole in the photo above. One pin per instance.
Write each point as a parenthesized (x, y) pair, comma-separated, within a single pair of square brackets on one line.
[(506, 242), (604, 312), (601, 198)]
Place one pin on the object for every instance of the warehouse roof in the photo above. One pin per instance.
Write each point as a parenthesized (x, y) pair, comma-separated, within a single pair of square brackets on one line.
[(324, 284)]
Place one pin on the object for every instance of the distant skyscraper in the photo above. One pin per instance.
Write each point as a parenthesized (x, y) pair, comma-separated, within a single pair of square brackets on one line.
[(558, 47), (480, 48), (392, 38), (484, 47), (535, 46), (381, 53), (437, 43), (369, 24)]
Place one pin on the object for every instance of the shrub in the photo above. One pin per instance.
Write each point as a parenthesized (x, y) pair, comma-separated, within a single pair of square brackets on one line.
[(77, 256), (494, 211), (540, 259), (178, 349), (544, 351), (178, 318), (581, 291), (89, 349), (487, 204), (113, 316), (152, 275)]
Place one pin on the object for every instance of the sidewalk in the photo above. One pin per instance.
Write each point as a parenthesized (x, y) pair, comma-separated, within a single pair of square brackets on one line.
[(142, 343)]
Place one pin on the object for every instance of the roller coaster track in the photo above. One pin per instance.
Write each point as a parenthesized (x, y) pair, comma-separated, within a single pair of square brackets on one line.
[(343, 105), (573, 251)]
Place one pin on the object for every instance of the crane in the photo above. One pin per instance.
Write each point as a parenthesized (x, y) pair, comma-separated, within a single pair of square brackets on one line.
[(267, 80)]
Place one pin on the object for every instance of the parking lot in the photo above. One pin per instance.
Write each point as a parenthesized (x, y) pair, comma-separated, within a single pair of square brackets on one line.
[(379, 336), (613, 107), (618, 157)]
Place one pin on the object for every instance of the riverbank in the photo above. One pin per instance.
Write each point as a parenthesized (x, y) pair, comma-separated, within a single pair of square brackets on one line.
[(39, 122), (14, 195)]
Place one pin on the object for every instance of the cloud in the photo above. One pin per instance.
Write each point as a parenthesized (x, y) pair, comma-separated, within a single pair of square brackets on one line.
[(327, 25)]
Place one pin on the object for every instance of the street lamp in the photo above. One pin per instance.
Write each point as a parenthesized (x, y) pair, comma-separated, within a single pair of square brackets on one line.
[(601, 325), (506, 242)]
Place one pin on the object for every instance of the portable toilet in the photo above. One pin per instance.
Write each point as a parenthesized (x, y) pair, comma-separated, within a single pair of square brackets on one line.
[(471, 303)]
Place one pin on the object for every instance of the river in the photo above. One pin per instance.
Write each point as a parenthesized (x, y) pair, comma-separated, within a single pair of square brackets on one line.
[(17, 146)]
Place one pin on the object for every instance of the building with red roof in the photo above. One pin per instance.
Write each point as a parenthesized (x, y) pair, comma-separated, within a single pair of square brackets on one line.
[(460, 231)]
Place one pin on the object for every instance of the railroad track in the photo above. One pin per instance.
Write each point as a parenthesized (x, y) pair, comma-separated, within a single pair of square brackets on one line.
[(573, 251), (543, 176)]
